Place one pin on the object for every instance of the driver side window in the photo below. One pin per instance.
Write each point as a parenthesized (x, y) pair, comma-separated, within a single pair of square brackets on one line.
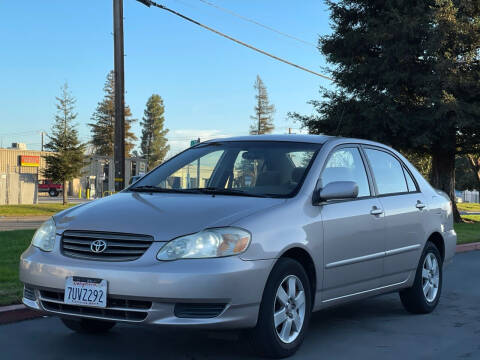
[(346, 164)]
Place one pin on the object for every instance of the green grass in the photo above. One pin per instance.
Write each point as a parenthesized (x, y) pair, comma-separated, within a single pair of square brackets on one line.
[(472, 207), (475, 218), (13, 243), (32, 210), (468, 233)]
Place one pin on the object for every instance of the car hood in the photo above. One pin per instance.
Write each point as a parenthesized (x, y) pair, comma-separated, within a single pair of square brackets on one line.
[(163, 216)]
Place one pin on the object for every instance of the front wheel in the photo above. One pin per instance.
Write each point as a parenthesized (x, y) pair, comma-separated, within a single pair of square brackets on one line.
[(284, 311), (423, 296), (53, 193), (88, 326)]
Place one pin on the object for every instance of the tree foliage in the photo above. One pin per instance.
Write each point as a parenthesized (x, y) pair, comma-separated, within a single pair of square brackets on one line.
[(474, 162), (103, 122), (263, 119), (66, 160), (407, 73), (423, 163), (467, 177), (154, 142)]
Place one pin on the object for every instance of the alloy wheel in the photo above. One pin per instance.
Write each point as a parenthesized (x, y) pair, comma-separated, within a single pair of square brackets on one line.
[(430, 277), (289, 309)]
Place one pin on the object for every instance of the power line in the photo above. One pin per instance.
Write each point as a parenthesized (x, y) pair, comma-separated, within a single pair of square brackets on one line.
[(257, 23), (22, 133), (149, 3)]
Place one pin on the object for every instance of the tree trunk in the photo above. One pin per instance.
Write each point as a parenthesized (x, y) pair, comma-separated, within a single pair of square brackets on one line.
[(474, 162), (443, 176), (65, 198)]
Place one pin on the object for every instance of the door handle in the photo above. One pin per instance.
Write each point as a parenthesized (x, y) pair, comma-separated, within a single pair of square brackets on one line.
[(420, 205), (376, 211)]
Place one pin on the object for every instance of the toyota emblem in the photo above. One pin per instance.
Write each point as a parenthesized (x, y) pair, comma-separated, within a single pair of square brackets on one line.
[(98, 246)]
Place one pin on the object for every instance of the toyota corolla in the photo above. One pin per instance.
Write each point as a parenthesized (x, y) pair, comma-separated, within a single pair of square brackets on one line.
[(246, 233)]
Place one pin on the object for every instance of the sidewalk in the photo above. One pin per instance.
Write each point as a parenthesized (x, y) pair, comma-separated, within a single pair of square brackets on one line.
[(21, 222)]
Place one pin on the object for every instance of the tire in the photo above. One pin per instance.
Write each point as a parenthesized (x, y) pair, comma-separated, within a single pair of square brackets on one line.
[(88, 326), (53, 192), (265, 337), (415, 299)]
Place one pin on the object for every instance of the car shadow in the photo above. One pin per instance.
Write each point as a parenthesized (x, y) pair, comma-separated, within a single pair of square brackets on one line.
[(146, 342)]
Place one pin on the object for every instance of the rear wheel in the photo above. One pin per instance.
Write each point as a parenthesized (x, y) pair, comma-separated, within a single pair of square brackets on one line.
[(284, 311), (88, 326), (423, 296), (53, 192)]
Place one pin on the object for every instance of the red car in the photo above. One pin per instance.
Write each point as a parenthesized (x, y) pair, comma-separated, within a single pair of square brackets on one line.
[(50, 187)]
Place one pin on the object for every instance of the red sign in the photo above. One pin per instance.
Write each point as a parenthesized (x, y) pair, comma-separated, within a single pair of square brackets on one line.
[(29, 160)]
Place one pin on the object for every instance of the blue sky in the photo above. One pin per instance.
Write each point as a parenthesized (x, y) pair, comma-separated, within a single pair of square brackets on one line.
[(206, 81)]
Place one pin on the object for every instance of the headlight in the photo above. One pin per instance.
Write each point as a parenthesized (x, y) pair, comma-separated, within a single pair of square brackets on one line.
[(44, 237), (209, 243)]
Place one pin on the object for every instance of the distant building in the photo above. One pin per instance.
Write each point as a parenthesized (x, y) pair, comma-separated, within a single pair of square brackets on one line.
[(17, 159), (99, 176), (19, 146), (21, 169)]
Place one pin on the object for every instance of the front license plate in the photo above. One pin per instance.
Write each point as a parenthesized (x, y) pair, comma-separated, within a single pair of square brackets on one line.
[(86, 292)]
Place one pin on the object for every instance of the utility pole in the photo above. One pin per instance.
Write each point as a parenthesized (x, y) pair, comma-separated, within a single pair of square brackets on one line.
[(42, 133), (198, 168), (119, 138)]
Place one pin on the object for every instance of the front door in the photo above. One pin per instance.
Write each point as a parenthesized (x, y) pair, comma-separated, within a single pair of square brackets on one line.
[(354, 231)]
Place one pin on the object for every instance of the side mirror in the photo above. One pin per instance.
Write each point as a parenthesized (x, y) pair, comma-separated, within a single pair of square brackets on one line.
[(337, 190)]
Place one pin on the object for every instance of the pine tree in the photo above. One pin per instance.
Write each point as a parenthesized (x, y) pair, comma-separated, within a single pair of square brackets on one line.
[(103, 125), (407, 73), (154, 142), (263, 110), (66, 161)]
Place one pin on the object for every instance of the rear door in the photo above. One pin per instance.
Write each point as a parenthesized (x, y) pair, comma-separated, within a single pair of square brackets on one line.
[(354, 237), (405, 210)]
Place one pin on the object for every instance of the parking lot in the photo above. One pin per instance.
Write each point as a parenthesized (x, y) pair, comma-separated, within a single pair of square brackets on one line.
[(371, 329)]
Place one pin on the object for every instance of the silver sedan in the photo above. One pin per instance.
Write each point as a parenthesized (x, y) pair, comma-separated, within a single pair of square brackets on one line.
[(248, 232)]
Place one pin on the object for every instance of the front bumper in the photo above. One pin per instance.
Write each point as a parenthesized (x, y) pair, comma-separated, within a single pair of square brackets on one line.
[(231, 281)]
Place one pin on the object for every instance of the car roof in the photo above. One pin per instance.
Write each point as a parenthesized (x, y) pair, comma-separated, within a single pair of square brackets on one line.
[(305, 138), (315, 139)]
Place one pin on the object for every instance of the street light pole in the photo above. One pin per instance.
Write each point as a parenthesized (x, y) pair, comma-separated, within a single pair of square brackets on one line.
[(119, 141)]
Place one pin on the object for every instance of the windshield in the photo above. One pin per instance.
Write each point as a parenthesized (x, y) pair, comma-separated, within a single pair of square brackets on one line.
[(249, 168)]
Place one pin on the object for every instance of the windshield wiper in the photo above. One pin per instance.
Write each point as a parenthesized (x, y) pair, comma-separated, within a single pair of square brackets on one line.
[(207, 190), (222, 191), (151, 188)]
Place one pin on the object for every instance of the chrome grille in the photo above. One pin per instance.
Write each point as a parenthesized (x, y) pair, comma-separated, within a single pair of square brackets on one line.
[(120, 247), (118, 309)]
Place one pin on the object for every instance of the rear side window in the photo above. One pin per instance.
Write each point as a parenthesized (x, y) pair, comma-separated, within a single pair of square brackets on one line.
[(346, 164), (387, 171)]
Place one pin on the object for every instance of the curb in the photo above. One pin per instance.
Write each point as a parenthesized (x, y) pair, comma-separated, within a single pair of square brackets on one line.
[(14, 313), (468, 247)]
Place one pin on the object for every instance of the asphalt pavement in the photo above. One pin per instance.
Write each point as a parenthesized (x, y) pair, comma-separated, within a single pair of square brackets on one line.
[(376, 328), (59, 199), (33, 222), (21, 222)]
